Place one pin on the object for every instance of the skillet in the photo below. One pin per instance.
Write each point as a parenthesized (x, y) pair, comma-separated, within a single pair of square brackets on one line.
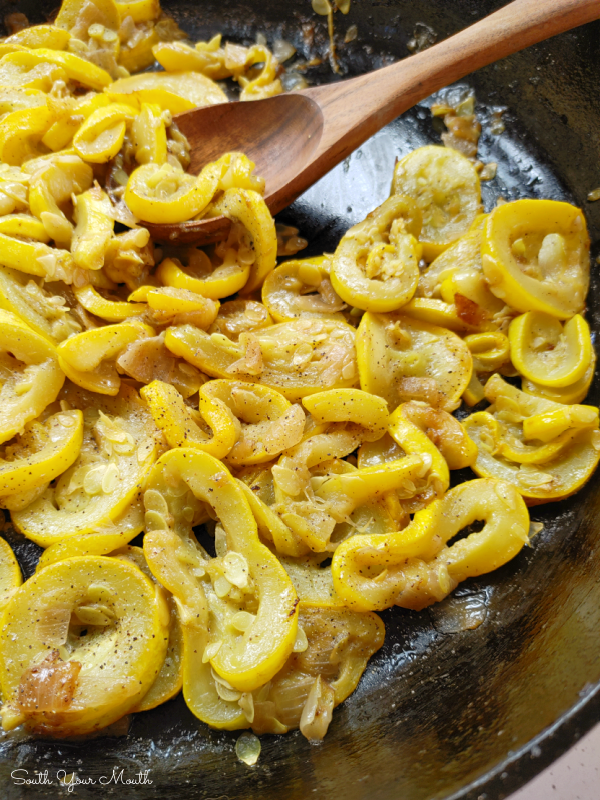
[(442, 712)]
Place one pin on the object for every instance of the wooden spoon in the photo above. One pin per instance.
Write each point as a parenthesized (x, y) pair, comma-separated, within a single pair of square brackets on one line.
[(294, 139)]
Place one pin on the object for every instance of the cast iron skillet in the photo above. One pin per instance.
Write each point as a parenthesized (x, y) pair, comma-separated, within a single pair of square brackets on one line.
[(472, 714)]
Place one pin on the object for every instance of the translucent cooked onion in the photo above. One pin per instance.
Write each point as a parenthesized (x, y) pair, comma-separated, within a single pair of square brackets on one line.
[(268, 437), (535, 528), (251, 362), (456, 614), (319, 659), (292, 473), (424, 389), (326, 300), (48, 687), (265, 718), (301, 643), (240, 316), (317, 711), (290, 696), (148, 359), (246, 703)]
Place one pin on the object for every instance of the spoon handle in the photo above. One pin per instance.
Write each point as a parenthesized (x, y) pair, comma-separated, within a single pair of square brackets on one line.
[(355, 109)]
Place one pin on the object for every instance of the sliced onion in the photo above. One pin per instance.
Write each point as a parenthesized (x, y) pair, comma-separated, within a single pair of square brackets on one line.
[(317, 711), (48, 687)]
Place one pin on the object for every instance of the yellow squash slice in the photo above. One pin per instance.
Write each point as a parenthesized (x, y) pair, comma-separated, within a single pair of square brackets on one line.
[(82, 642)]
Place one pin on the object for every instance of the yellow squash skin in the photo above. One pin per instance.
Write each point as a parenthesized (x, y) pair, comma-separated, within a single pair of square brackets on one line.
[(442, 429), (264, 422), (187, 89), (548, 353), (445, 186), (252, 659), (414, 568), (118, 460), (76, 68), (88, 358), (545, 449), (376, 264), (101, 136), (101, 542), (27, 387), (43, 453), (118, 658), (177, 423), (248, 208), (574, 393), (298, 358), (400, 358), (350, 405), (10, 574), (109, 310), (535, 256), (302, 288), (222, 281), (169, 680), (189, 196)]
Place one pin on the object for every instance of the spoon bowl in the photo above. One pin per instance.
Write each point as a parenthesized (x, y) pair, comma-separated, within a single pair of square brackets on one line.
[(278, 150)]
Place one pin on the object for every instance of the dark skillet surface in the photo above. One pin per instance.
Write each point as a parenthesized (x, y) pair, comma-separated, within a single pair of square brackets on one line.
[(466, 715)]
